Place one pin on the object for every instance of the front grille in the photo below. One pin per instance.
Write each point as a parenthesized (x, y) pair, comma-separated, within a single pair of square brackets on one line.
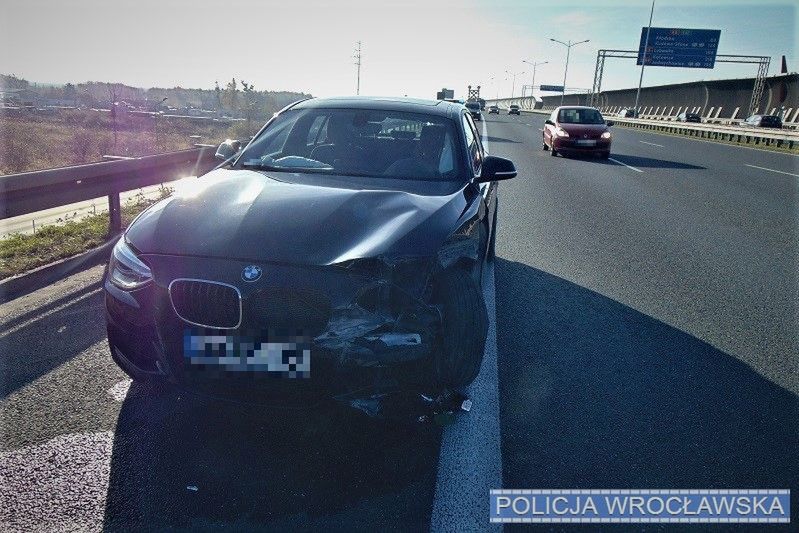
[(206, 303), (288, 310)]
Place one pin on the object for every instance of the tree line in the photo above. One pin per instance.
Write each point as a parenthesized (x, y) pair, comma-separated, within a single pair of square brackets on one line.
[(237, 97)]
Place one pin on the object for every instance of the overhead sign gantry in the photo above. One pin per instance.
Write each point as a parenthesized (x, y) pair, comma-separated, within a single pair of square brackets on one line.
[(683, 48)]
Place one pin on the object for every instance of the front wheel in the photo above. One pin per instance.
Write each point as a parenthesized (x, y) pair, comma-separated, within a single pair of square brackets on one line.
[(553, 152), (545, 147), (464, 329)]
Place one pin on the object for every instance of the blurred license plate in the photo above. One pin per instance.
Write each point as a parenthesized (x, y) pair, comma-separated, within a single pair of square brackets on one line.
[(586, 142), (237, 354)]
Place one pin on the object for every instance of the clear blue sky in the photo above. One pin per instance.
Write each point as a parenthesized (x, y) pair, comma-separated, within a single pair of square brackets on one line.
[(409, 47)]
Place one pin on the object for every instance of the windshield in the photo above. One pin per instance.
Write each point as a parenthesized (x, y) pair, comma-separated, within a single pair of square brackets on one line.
[(388, 144), (580, 116)]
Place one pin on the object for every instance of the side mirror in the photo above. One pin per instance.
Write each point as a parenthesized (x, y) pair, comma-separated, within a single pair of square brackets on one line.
[(609, 123), (547, 121), (227, 149), (496, 168)]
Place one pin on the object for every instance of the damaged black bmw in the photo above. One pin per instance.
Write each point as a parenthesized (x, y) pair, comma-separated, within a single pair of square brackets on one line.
[(339, 254)]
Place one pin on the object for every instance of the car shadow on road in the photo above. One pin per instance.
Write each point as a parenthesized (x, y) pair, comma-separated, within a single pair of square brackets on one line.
[(491, 139), (649, 162), (34, 343), (185, 462), (598, 395)]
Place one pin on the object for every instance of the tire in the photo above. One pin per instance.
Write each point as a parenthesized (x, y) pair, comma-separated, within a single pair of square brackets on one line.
[(545, 146), (464, 328), (553, 152), (605, 155)]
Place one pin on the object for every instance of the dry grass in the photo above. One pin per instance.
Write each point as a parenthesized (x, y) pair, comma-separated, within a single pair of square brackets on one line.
[(31, 141)]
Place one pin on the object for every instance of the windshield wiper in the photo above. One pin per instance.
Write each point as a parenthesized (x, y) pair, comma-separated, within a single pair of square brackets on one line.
[(262, 166)]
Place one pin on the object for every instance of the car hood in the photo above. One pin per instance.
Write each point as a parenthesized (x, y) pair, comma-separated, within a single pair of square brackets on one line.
[(243, 214), (578, 130)]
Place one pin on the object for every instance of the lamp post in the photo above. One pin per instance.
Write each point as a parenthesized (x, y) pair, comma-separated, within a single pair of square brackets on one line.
[(532, 87), (643, 59), (496, 84), (568, 46), (513, 87)]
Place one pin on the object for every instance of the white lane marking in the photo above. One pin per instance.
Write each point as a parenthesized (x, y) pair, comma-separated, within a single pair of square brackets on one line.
[(485, 137), (470, 459), (772, 170), (653, 144), (625, 164), (120, 390)]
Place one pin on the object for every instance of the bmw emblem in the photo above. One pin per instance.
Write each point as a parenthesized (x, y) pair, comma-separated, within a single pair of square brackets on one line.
[(251, 273)]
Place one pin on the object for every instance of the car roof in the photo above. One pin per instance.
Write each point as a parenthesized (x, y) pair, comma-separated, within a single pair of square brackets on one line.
[(388, 103), (575, 107)]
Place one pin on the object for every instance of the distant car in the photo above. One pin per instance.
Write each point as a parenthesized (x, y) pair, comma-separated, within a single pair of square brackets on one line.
[(763, 121), (474, 110), (493, 109), (628, 113), (688, 117), (577, 129), (514, 110)]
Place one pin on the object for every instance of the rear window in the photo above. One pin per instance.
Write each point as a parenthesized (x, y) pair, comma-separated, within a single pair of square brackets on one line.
[(474, 106), (514, 106)]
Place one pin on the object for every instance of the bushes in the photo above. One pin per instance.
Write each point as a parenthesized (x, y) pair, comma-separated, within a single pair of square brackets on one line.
[(15, 151), (35, 142), (81, 146)]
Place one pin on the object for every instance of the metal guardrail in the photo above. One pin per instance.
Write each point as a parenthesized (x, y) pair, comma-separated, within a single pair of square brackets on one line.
[(755, 136), (778, 138), (29, 192)]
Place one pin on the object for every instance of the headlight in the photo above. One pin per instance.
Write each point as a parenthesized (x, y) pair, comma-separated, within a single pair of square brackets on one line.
[(127, 271), (560, 132), (606, 135)]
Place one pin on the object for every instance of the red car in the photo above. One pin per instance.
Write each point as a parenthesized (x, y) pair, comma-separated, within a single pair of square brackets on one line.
[(577, 130)]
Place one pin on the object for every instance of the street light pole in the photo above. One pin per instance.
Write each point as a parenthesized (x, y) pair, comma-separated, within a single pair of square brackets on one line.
[(513, 87), (566, 71), (496, 85), (357, 57), (532, 87), (643, 58)]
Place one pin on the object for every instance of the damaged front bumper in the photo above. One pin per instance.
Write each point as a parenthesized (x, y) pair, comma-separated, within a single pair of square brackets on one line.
[(367, 316)]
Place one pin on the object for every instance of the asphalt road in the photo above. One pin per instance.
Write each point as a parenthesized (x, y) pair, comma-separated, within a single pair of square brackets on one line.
[(647, 316), (645, 337)]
